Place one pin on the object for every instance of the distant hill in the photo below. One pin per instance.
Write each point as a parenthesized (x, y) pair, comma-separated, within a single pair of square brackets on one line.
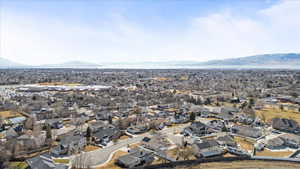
[(267, 60), (72, 64), (5, 63), (283, 60)]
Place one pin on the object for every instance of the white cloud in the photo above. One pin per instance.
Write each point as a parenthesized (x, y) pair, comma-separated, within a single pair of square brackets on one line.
[(32, 40)]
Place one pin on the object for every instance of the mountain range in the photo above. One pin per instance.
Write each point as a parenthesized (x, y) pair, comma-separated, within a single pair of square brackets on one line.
[(266, 60), (5, 63), (72, 64), (281, 60)]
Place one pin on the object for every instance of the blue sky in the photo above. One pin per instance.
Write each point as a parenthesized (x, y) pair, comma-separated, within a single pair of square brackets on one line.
[(42, 32)]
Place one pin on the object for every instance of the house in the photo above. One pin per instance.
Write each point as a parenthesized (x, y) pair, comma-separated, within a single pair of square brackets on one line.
[(235, 100), (208, 148), (205, 113), (216, 125), (197, 129), (43, 162), (291, 140), (69, 144), (156, 143), (246, 131), (17, 120), (103, 115), (275, 143), (137, 129), (226, 116), (97, 126), (30, 142), (136, 157), (244, 118), (180, 118), (106, 134), (55, 123), (226, 140), (285, 125)]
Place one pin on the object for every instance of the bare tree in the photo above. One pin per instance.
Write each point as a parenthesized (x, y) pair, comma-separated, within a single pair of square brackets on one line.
[(81, 161), (29, 123)]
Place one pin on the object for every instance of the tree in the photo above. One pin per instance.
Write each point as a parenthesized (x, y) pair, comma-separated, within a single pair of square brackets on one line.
[(243, 105), (48, 132), (88, 134), (123, 124), (187, 153), (263, 118), (81, 161), (110, 121), (251, 103), (281, 107), (207, 101), (4, 159), (36, 131), (115, 140), (192, 116), (49, 135), (29, 123)]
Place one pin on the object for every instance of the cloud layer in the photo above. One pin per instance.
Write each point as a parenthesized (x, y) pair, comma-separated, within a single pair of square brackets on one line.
[(224, 34)]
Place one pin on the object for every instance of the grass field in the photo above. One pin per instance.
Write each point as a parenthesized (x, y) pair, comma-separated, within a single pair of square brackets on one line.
[(270, 113), (18, 165), (274, 154), (162, 79), (9, 114), (61, 161)]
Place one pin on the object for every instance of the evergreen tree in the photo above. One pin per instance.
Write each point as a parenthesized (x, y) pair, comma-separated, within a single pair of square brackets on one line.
[(192, 116), (48, 132), (110, 119), (88, 134)]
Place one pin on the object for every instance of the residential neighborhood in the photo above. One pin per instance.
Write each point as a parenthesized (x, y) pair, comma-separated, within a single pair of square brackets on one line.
[(91, 119)]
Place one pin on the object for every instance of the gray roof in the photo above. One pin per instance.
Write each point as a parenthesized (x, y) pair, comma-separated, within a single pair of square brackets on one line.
[(207, 144), (247, 131), (128, 160), (108, 131), (43, 162), (70, 139)]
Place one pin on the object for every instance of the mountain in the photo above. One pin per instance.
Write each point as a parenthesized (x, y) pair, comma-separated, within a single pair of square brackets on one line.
[(72, 64), (5, 63), (283, 60)]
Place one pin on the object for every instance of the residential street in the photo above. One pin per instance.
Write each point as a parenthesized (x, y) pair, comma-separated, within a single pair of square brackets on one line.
[(100, 156)]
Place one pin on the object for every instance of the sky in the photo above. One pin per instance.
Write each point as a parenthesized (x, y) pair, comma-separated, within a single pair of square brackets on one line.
[(37, 32)]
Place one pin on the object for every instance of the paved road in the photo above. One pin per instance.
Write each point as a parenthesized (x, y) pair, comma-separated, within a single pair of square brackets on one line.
[(101, 156)]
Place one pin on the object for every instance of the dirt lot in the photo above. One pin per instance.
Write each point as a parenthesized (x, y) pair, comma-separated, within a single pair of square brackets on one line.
[(244, 143), (244, 165), (90, 148), (271, 113), (124, 137), (274, 154)]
